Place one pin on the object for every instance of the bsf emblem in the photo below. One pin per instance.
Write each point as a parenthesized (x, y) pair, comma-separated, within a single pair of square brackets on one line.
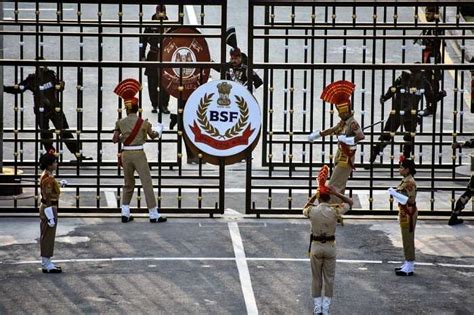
[(189, 50), (222, 120)]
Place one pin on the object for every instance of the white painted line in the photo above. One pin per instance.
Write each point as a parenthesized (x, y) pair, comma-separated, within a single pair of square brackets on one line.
[(269, 259), (423, 264), (455, 266), (243, 269), (110, 199), (394, 262), (359, 261), (191, 15), (278, 259)]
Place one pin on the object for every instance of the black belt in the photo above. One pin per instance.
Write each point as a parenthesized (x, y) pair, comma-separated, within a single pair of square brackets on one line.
[(320, 238), (323, 238), (53, 203)]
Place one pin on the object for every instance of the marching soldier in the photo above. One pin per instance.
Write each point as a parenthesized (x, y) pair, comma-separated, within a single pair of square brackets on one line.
[(322, 248), (466, 196), (46, 88), (405, 194), (49, 210), (406, 92), (132, 132), (432, 54), (348, 131), (158, 99)]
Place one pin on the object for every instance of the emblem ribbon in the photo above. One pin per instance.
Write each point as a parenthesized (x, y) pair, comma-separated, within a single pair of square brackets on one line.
[(221, 145)]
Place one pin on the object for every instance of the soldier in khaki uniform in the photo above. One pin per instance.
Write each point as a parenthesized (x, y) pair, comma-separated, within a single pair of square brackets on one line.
[(348, 131), (322, 249), (132, 132), (407, 214), (48, 210)]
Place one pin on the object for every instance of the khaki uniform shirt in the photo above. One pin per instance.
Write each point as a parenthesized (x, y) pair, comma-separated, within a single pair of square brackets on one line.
[(324, 217), (125, 126), (350, 128), (49, 189), (408, 188)]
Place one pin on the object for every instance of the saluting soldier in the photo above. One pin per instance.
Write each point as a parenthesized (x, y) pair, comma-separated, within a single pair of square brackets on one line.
[(48, 210), (132, 131), (348, 131), (46, 87), (466, 196), (159, 100), (322, 248), (407, 214)]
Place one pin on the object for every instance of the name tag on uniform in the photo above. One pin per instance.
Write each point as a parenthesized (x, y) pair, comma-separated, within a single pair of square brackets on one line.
[(46, 86)]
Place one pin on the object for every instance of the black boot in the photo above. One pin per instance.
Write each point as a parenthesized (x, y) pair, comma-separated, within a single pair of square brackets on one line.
[(454, 220), (374, 153), (173, 121)]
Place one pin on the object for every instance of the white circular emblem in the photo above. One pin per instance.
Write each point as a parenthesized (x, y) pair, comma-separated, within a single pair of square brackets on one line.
[(183, 54), (222, 118)]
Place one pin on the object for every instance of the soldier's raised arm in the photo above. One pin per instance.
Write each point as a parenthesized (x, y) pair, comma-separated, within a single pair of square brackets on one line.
[(26, 84)]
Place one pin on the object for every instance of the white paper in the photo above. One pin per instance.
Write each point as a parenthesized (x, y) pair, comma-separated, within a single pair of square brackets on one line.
[(400, 198)]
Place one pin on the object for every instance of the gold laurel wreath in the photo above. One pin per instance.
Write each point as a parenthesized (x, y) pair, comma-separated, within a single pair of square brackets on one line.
[(244, 115), (201, 114), (210, 129)]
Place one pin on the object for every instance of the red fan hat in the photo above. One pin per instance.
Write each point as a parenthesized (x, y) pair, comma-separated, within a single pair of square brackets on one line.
[(339, 93), (322, 177), (127, 89)]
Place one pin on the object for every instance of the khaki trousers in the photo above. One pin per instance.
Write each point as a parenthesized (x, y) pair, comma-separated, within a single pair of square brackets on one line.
[(136, 161), (48, 234), (408, 239), (340, 175), (323, 268)]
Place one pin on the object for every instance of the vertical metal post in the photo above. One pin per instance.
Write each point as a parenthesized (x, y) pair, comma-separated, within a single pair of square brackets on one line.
[(1, 92)]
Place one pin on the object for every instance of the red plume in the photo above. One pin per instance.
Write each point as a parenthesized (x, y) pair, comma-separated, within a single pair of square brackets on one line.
[(322, 177), (338, 92), (127, 89)]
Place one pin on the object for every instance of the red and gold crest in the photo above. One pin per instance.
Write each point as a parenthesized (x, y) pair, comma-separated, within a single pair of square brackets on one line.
[(190, 49)]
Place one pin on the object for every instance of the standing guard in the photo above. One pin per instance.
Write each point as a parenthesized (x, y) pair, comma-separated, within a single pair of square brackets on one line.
[(159, 100), (239, 72), (348, 131), (132, 131), (466, 196), (322, 247), (431, 53), (406, 92), (48, 210), (405, 194), (46, 87)]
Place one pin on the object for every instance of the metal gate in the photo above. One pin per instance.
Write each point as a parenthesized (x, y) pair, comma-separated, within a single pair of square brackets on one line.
[(92, 45), (297, 46), (301, 46)]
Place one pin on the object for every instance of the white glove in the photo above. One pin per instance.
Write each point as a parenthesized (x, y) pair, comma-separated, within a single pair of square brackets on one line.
[(400, 198), (346, 140), (159, 129), (50, 216), (63, 183), (314, 135)]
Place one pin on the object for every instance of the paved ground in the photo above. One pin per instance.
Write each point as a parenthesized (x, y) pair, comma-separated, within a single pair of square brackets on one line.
[(230, 265)]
